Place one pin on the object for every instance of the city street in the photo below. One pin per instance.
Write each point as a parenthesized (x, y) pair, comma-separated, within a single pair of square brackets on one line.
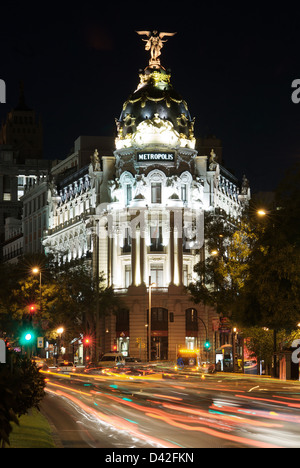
[(173, 411)]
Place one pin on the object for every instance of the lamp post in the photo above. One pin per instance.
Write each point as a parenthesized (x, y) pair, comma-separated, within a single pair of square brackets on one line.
[(35, 271), (149, 324), (59, 331), (263, 213), (97, 344)]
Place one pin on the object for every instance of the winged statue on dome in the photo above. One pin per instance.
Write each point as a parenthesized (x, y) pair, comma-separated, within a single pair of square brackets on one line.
[(154, 43)]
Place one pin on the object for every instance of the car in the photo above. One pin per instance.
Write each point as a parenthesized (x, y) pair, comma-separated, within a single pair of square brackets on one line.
[(44, 367), (112, 360), (66, 366), (38, 361)]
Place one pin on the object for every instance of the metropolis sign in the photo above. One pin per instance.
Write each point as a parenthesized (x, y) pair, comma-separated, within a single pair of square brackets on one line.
[(157, 156)]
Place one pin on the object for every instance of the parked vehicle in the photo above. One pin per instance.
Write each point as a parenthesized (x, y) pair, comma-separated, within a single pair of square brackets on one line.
[(112, 360), (66, 366), (38, 361), (188, 358)]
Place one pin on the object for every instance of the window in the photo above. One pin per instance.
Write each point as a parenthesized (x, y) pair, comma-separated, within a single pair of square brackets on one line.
[(156, 192), (184, 192), (185, 275), (191, 321), (159, 318), (6, 188), (122, 320), (128, 194), (156, 239), (156, 273), (127, 276), (127, 241)]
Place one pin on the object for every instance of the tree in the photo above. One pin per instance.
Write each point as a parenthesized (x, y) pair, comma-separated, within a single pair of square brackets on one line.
[(68, 297), (270, 296), (252, 271), (222, 274), (21, 388), (79, 296), (259, 342)]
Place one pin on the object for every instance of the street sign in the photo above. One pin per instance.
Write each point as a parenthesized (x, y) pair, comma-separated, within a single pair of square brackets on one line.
[(40, 342), (2, 352)]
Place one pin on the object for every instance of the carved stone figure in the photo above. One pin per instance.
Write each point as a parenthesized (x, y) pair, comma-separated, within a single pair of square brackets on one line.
[(96, 161), (212, 161), (245, 185)]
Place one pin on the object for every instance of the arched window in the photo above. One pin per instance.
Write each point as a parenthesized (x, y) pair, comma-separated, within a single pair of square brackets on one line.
[(186, 182), (157, 180), (126, 181)]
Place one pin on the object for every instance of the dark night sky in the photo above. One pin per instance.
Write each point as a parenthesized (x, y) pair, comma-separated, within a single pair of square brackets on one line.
[(233, 65)]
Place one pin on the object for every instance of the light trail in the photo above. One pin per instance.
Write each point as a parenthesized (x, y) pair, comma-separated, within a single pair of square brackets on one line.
[(220, 435), (275, 402), (221, 420), (115, 422)]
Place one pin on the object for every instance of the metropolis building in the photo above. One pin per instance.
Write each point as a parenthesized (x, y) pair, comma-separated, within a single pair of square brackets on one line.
[(139, 214)]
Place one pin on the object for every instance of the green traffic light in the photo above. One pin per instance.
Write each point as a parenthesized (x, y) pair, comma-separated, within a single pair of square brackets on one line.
[(207, 344), (27, 337)]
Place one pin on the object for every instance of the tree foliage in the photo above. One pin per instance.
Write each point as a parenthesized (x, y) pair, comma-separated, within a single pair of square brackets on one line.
[(251, 273), (225, 268), (67, 296), (21, 388)]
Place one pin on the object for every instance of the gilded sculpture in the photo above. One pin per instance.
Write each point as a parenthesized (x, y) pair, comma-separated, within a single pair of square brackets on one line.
[(154, 43)]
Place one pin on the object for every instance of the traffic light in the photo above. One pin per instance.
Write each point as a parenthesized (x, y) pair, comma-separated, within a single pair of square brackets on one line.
[(27, 337), (32, 308), (86, 341), (207, 345)]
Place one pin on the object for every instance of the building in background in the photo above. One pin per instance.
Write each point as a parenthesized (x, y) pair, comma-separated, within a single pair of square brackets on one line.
[(13, 240), (21, 163), (23, 131)]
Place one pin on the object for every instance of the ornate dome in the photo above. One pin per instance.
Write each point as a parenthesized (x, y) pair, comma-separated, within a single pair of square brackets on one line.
[(156, 103)]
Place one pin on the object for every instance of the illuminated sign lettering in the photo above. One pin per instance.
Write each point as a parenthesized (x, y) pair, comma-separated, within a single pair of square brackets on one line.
[(159, 156)]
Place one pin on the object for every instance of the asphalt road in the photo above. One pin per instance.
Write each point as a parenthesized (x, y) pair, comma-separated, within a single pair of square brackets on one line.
[(173, 412)]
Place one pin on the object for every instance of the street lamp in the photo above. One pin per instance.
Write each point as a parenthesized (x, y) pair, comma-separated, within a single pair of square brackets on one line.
[(261, 212), (35, 271), (60, 332), (149, 325)]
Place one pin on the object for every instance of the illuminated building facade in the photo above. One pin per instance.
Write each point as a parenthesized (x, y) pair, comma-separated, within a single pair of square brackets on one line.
[(140, 213)]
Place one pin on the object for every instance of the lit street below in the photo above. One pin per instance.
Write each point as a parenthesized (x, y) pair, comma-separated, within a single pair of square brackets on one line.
[(173, 411)]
